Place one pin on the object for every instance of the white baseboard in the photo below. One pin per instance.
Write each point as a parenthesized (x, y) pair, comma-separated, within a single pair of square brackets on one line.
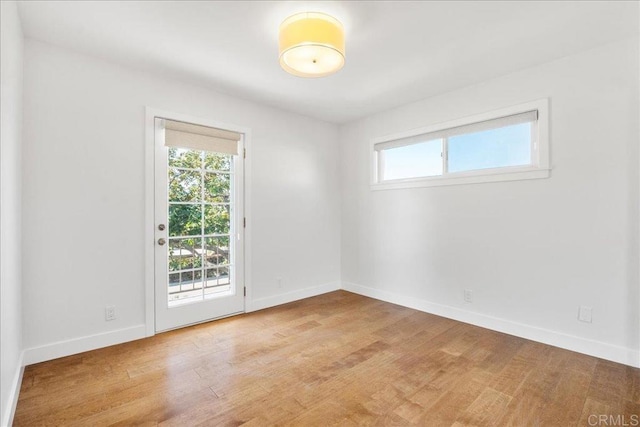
[(14, 392), (92, 342), (599, 349), (261, 303), (82, 344)]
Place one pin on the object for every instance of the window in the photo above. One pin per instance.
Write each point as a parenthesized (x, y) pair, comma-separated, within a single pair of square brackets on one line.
[(509, 144)]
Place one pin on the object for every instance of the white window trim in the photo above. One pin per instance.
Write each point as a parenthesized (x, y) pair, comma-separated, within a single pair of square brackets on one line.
[(540, 152)]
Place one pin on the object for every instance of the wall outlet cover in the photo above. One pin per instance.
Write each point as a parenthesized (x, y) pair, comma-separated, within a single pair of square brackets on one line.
[(110, 312), (468, 295), (584, 314)]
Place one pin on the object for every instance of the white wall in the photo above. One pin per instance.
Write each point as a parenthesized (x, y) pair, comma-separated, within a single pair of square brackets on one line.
[(531, 251), (11, 52), (84, 197)]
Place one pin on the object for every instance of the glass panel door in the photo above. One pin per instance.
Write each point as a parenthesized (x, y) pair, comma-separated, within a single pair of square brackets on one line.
[(198, 201)]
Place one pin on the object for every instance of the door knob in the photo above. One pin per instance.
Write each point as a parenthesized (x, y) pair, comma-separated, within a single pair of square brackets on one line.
[(161, 227), (161, 241)]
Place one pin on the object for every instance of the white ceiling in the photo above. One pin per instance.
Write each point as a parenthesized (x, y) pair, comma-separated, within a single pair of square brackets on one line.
[(397, 52)]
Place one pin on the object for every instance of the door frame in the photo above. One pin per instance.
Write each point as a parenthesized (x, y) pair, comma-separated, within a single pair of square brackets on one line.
[(149, 202)]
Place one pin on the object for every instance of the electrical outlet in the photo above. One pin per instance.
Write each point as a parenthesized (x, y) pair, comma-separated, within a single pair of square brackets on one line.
[(584, 314), (279, 281), (110, 312), (468, 295)]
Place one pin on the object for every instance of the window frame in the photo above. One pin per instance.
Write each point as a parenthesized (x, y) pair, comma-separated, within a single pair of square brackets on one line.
[(538, 169)]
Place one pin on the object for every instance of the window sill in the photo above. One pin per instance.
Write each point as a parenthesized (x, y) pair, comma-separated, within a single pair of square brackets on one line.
[(466, 178)]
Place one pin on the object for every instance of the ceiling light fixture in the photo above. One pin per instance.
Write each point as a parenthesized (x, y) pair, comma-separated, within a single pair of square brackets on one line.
[(311, 44)]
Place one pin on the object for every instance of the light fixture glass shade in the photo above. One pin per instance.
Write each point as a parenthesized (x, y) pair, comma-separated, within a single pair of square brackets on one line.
[(311, 44)]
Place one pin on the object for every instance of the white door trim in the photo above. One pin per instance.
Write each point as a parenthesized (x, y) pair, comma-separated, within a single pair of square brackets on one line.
[(149, 218)]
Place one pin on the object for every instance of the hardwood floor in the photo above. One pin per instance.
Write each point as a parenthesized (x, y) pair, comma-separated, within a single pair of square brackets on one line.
[(336, 359)]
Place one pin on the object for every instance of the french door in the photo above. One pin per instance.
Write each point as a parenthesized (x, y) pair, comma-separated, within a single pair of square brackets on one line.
[(198, 224)]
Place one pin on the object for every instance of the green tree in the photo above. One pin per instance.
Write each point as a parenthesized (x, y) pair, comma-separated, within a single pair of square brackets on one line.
[(199, 202)]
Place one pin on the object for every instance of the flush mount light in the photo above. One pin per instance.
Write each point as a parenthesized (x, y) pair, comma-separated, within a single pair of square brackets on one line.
[(311, 44)]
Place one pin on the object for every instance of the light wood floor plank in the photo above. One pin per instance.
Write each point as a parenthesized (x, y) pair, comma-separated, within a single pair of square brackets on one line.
[(336, 359)]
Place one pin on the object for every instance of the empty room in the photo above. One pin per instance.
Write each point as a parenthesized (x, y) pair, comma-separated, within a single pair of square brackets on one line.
[(223, 213)]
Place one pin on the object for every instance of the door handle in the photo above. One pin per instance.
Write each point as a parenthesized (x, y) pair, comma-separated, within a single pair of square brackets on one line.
[(161, 241)]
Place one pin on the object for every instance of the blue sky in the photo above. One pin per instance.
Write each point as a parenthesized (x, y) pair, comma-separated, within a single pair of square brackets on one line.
[(506, 146)]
